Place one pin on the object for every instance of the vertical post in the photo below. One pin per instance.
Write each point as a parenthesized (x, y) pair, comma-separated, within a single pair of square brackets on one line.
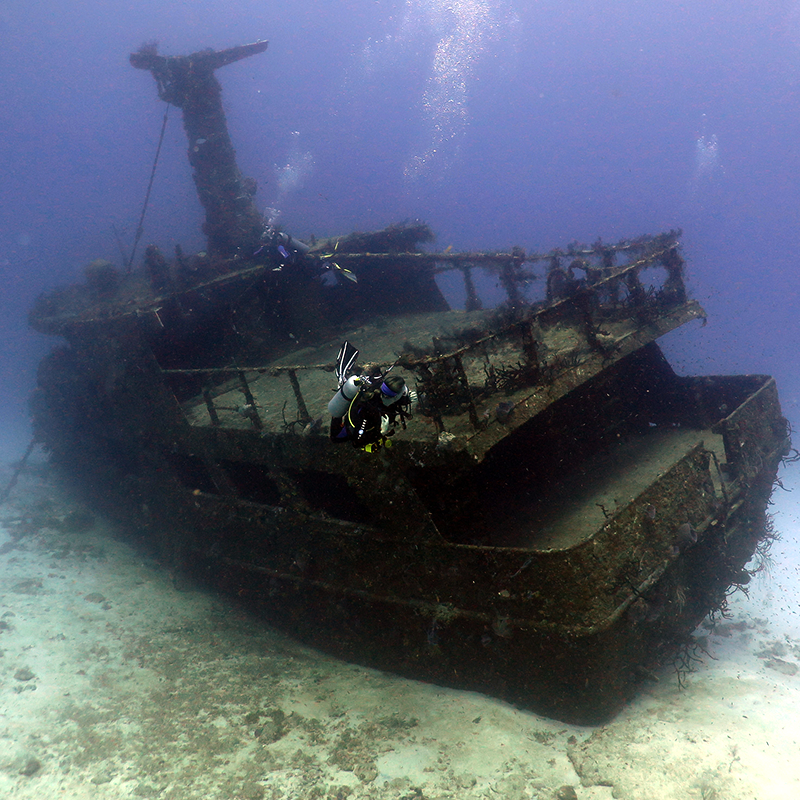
[(529, 346), (674, 287), (473, 301), (432, 409), (251, 402), (509, 277), (607, 267), (635, 288), (302, 411), (212, 412), (462, 375)]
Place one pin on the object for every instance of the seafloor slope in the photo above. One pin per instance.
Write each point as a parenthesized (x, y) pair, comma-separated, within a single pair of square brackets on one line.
[(118, 682)]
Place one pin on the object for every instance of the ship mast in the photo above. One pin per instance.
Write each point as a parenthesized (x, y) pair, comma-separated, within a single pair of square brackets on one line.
[(233, 223)]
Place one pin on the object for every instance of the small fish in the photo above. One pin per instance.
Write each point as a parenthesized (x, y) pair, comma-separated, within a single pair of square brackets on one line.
[(313, 427), (504, 411), (433, 633), (501, 626), (685, 536)]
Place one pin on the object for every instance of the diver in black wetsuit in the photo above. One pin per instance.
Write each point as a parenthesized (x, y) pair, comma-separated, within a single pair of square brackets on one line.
[(364, 412)]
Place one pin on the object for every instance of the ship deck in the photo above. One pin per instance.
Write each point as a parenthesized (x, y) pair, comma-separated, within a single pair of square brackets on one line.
[(562, 348), (380, 342), (575, 508)]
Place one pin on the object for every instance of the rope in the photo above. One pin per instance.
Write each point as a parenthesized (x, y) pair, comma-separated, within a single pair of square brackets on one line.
[(140, 229), (15, 477)]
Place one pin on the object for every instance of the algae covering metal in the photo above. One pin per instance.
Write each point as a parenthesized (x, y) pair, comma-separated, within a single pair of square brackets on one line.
[(553, 521), (557, 517), (553, 608)]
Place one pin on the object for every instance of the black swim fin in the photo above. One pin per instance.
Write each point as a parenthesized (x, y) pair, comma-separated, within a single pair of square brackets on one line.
[(344, 361)]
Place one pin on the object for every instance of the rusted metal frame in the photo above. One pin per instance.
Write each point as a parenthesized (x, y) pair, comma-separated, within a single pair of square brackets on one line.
[(240, 274), (426, 377), (611, 280), (629, 275), (413, 363), (473, 301), (608, 270), (555, 307), (302, 411), (523, 329), (273, 371), (511, 277), (471, 409), (212, 412), (252, 411), (605, 252), (738, 434), (674, 286), (633, 283), (451, 260)]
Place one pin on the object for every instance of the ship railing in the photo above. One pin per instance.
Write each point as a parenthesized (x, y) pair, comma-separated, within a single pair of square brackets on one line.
[(250, 407), (606, 291), (596, 262), (443, 374)]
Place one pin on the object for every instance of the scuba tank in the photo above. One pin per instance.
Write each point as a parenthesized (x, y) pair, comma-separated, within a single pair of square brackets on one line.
[(340, 402), (348, 387)]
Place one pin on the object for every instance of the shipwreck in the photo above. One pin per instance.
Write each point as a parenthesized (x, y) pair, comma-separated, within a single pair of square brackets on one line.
[(558, 515)]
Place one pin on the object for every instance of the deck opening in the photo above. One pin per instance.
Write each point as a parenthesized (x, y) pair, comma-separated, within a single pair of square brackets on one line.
[(331, 494), (568, 470), (192, 473), (253, 482)]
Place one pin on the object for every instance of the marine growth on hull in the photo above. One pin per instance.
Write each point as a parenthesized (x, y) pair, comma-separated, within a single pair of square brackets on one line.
[(476, 468)]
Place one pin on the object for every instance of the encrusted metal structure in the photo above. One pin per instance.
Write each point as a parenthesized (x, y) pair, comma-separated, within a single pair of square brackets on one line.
[(559, 514), (233, 223)]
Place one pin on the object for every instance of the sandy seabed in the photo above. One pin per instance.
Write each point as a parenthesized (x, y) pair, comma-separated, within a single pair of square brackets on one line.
[(116, 684)]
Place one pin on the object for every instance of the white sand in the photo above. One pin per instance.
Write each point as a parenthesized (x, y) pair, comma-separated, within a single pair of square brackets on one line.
[(115, 684)]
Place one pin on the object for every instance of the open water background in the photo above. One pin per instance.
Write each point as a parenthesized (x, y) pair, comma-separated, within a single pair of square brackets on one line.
[(499, 122)]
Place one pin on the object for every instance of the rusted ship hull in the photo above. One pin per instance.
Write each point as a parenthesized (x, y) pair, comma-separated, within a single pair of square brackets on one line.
[(572, 560), (462, 616), (559, 514)]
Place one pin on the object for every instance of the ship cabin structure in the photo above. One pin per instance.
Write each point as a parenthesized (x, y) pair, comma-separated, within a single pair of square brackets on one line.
[(551, 524)]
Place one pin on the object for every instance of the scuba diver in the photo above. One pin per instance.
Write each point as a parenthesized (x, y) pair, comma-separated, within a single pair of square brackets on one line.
[(365, 410), (284, 249)]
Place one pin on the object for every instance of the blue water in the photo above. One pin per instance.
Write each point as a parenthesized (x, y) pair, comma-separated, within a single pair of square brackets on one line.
[(499, 122)]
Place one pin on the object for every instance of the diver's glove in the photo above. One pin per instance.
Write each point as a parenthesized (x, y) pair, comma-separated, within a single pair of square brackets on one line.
[(375, 446), (385, 426), (413, 398)]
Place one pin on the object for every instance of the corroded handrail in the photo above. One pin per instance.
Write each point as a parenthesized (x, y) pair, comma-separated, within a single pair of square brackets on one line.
[(598, 291)]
